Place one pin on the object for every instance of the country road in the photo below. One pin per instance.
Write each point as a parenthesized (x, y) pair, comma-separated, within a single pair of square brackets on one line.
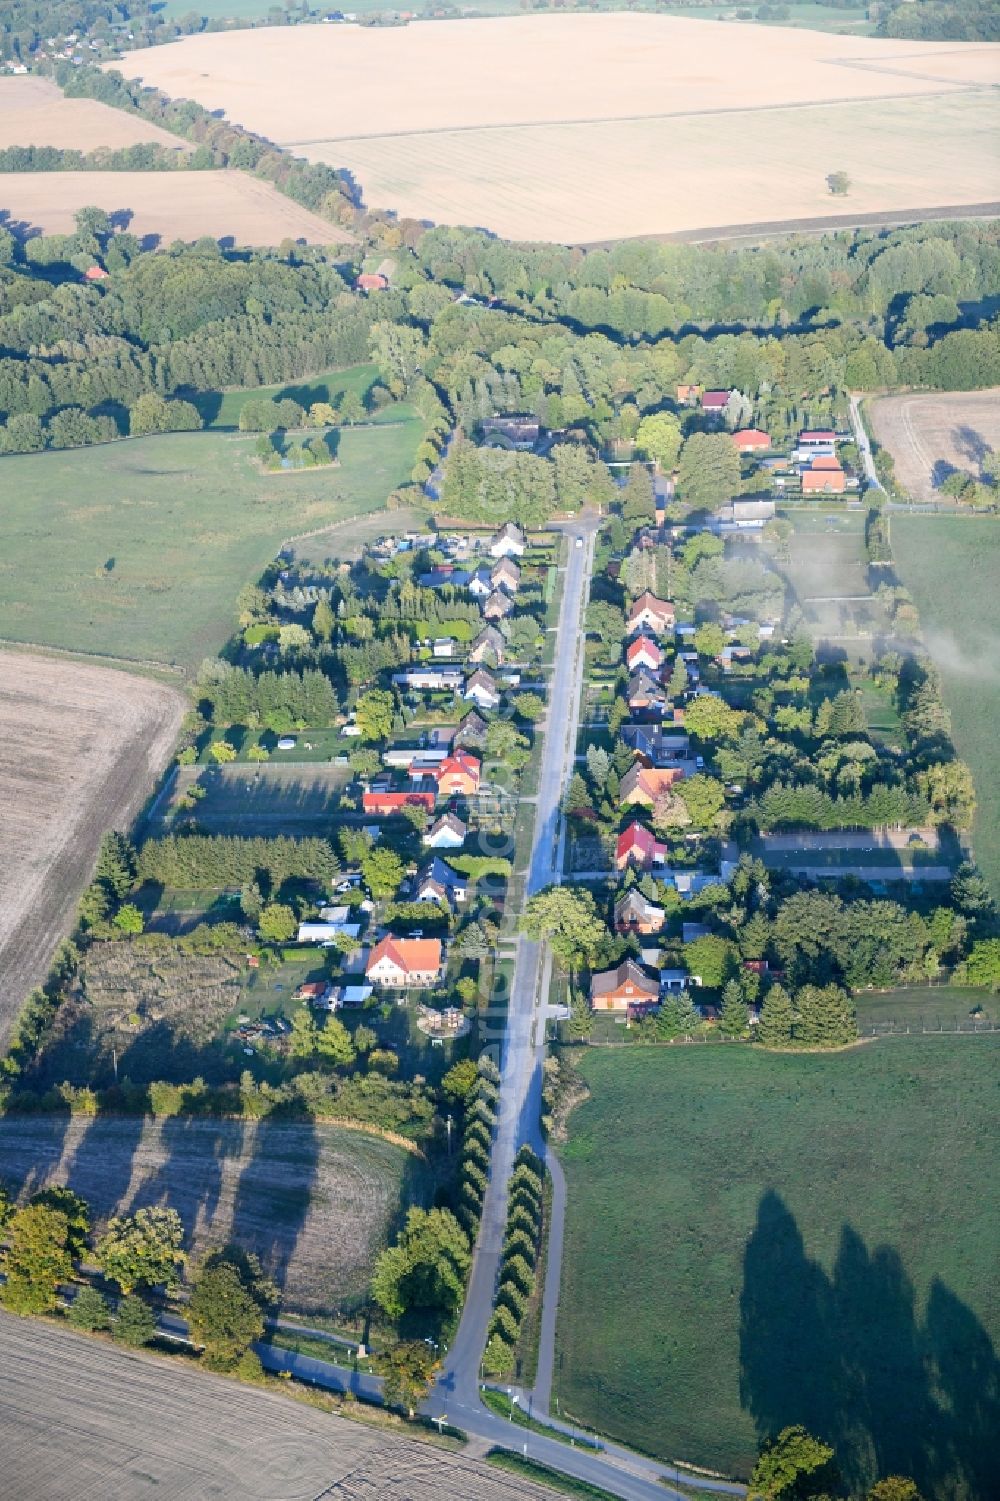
[(523, 1043), (863, 445)]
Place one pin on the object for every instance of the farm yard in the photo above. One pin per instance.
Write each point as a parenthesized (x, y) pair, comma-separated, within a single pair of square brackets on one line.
[(951, 565), (138, 549), (785, 1264), (167, 206), (633, 95), (34, 112), (316, 1202), (932, 435), (80, 748)]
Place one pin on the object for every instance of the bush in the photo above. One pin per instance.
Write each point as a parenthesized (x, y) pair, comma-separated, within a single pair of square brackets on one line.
[(89, 1311), (135, 1324)]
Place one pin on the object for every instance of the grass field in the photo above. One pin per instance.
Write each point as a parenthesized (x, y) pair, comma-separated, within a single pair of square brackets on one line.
[(424, 117), (139, 549), (925, 1006), (221, 409), (34, 112), (267, 799), (230, 206), (80, 748), (931, 435), (315, 1202), (951, 565), (755, 1240)]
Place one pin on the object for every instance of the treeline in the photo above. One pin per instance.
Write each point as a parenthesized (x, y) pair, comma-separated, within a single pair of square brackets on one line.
[(939, 20), (518, 1262), (787, 807), (188, 861), (276, 700), (220, 144), (145, 156)]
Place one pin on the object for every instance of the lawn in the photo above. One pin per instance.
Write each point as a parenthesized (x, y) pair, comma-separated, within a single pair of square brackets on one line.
[(754, 1240), (951, 565), (138, 549), (918, 1006), (221, 409)]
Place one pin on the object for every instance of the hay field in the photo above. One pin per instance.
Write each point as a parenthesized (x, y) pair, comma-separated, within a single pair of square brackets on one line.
[(165, 205), (931, 435), (315, 1202), (80, 747), (591, 127), (672, 175), (299, 85), (82, 1417), (34, 112)]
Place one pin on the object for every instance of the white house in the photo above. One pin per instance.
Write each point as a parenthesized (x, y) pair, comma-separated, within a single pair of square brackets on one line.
[(446, 833), (509, 541)]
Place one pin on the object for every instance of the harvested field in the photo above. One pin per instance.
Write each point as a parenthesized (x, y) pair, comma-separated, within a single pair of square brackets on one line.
[(80, 748), (932, 435), (315, 1202), (188, 1434), (165, 205), (425, 118), (34, 112)]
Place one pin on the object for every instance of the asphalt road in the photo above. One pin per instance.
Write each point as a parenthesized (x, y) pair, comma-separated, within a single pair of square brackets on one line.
[(863, 445)]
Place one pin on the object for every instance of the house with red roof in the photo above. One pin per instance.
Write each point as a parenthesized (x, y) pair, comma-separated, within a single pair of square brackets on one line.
[(644, 652), (642, 785), (96, 273), (372, 281), (751, 440), (621, 989), (817, 437), (401, 962), (714, 401), (638, 847), (458, 775), (824, 477), (385, 804)]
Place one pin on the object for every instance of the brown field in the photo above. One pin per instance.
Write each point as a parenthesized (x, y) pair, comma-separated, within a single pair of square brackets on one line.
[(314, 1201), (33, 112), (82, 1418), (694, 123), (168, 205), (80, 748), (931, 435)]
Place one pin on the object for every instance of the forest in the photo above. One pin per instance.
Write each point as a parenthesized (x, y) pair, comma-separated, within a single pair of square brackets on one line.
[(591, 343)]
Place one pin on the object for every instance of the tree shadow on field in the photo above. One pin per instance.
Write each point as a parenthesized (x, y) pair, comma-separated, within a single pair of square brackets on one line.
[(275, 1193), (192, 1177), (847, 1355), (970, 444)]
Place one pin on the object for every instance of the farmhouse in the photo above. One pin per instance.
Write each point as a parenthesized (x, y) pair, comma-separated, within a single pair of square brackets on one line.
[(642, 785), (458, 775), (824, 477), (644, 652), (498, 606), (505, 574), (446, 833), (751, 440), (650, 613), (95, 273), (634, 913), (489, 646), (481, 689), (622, 988), (402, 962), (509, 541), (638, 847), (372, 281), (385, 804), (518, 431)]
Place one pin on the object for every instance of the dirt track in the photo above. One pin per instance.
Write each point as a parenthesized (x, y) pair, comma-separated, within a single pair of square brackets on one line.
[(83, 1418), (80, 749)]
